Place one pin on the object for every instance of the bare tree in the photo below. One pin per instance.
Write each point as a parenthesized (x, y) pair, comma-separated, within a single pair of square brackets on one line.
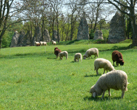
[(5, 6), (130, 11), (55, 9)]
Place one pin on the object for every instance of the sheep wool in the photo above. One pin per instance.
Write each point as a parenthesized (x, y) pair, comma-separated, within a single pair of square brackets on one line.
[(116, 79), (117, 56), (91, 51), (57, 51), (77, 57), (103, 63), (63, 53), (53, 42)]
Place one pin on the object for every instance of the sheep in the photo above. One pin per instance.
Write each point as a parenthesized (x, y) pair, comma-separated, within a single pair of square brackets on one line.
[(63, 53), (56, 51), (103, 63), (91, 51), (44, 43), (41, 42), (37, 43), (77, 57), (116, 79), (53, 42), (117, 56)]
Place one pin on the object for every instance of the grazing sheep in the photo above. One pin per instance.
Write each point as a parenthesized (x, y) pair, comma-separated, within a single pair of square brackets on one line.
[(37, 43), (57, 51), (77, 57), (41, 42), (44, 43), (117, 56), (103, 63), (53, 42), (116, 79), (63, 53), (91, 51)]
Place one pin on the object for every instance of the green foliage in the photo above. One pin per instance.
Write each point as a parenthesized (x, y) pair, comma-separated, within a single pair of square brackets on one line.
[(105, 33), (91, 34), (6, 40), (32, 78)]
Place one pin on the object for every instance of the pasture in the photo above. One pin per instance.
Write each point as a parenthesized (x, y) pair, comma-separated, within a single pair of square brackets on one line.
[(31, 78)]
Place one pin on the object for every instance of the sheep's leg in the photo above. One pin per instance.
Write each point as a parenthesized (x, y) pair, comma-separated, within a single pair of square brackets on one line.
[(104, 71), (122, 93), (103, 94), (97, 71), (109, 94)]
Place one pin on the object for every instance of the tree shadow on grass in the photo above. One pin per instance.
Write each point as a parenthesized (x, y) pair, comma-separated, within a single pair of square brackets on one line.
[(100, 99), (119, 48)]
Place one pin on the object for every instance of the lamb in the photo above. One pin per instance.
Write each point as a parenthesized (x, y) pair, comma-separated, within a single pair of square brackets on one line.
[(91, 51), (116, 79), (77, 57), (103, 63), (37, 43), (41, 42), (63, 53), (44, 43), (57, 51), (117, 56), (53, 42)]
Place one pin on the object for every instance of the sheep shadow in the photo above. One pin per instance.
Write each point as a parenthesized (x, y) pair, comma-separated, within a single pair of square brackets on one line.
[(50, 58), (100, 99), (93, 75)]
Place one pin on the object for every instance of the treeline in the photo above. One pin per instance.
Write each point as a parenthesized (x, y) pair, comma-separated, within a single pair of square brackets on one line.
[(60, 15)]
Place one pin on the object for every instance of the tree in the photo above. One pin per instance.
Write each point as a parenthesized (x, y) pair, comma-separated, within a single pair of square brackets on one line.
[(130, 11), (5, 6)]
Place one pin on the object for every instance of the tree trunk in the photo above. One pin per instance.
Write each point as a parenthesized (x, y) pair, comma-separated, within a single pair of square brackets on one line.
[(0, 42), (58, 29)]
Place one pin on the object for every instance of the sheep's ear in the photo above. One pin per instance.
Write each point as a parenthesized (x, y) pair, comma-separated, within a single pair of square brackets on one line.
[(94, 94)]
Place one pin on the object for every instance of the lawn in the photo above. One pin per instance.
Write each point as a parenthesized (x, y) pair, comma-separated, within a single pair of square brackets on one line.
[(31, 78)]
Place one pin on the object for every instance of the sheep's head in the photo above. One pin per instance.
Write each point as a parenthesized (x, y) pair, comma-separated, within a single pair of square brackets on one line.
[(93, 92), (55, 48), (121, 61), (84, 56)]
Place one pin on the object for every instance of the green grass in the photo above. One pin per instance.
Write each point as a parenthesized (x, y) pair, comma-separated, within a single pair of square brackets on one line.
[(32, 79)]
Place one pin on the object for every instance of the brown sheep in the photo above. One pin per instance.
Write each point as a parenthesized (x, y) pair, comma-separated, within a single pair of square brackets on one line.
[(117, 56), (56, 51)]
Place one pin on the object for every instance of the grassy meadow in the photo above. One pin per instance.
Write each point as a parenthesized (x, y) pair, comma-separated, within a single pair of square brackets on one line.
[(31, 78)]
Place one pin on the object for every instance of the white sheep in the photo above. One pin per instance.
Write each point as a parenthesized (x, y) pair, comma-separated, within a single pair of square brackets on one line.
[(116, 79), (103, 63), (44, 43), (53, 42), (63, 53), (77, 57), (91, 51), (41, 43), (37, 43)]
